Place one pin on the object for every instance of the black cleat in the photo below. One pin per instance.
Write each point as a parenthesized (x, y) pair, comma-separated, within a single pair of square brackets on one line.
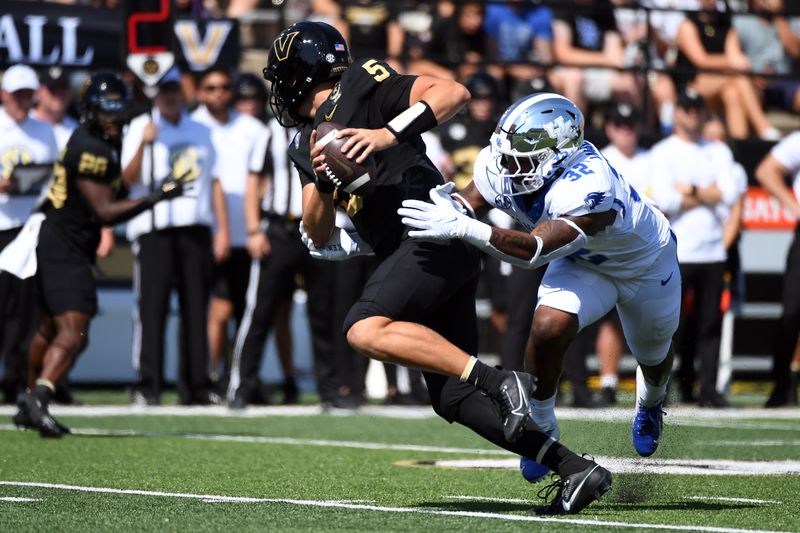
[(514, 400), (576, 491), (33, 414)]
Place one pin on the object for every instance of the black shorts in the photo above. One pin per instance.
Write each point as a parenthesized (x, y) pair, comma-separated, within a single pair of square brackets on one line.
[(64, 278), (231, 277), (429, 283)]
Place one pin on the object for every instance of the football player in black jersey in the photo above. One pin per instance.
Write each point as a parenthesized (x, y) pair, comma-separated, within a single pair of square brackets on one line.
[(418, 309), (84, 195)]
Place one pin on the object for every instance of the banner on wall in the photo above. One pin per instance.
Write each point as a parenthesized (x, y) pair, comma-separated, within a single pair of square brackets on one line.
[(43, 34), (762, 211)]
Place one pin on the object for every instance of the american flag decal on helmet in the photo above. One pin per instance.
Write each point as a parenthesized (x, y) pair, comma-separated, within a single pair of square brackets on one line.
[(339, 47)]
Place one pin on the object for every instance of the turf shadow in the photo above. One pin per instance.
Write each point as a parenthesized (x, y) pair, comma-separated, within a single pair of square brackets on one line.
[(683, 505)]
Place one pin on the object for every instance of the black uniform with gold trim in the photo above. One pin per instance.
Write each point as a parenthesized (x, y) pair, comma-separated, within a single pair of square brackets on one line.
[(70, 233), (430, 283), (369, 95)]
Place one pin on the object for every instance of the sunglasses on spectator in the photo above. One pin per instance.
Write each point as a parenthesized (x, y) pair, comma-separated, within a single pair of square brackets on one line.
[(214, 88)]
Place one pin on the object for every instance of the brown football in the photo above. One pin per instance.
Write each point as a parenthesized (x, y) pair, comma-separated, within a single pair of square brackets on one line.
[(346, 174)]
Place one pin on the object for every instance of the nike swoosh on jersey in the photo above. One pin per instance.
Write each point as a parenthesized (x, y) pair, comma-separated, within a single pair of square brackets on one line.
[(665, 281), (329, 116)]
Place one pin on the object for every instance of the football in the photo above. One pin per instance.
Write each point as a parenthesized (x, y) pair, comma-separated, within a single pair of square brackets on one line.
[(346, 174)]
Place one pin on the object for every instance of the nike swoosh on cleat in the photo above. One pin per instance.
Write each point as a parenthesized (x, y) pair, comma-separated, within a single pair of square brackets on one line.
[(567, 504), (518, 409), (665, 281)]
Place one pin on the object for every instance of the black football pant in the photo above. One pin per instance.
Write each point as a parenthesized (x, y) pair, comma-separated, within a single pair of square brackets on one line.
[(272, 279), (789, 325), (18, 322), (699, 333), (434, 284), (179, 258)]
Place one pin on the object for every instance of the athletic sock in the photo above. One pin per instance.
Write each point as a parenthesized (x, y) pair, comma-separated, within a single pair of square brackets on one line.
[(484, 377), (543, 413), (481, 414), (609, 381), (648, 395)]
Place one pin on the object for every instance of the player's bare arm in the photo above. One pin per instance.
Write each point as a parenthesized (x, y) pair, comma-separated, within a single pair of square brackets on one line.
[(431, 102), (553, 234)]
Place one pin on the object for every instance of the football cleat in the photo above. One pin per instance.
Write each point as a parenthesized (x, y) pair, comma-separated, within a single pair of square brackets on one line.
[(647, 426), (513, 398), (532, 471), (575, 492), (34, 415)]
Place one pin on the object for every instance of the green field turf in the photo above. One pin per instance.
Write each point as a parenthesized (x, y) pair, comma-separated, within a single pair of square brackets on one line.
[(323, 472)]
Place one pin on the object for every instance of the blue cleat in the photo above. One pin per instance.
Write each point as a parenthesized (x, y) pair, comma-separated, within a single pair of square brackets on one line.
[(647, 426), (532, 471)]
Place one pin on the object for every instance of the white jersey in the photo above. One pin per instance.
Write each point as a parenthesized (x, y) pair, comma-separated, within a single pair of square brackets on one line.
[(178, 149), (625, 249), (241, 146), (32, 141)]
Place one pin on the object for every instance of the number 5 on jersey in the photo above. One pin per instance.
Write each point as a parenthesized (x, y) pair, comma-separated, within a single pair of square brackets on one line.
[(377, 71)]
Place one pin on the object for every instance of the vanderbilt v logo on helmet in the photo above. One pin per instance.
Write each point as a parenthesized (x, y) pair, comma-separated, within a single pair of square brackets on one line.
[(303, 56), (282, 45)]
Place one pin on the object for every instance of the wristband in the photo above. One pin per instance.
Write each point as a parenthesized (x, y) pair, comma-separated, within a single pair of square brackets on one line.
[(325, 187), (415, 120)]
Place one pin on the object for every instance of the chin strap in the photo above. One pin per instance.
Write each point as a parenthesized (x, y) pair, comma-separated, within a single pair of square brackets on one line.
[(538, 258)]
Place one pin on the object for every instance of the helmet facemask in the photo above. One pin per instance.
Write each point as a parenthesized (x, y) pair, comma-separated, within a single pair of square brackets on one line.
[(534, 138)]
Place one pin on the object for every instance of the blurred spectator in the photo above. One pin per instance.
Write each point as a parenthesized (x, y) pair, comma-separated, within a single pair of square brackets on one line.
[(707, 40), (172, 243), (521, 35), (640, 44), (733, 278), (771, 45), (240, 142), (783, 162), (23, 140), (465, 135), (279, 257), (53, 100), (416, 19), (691, 179), (633, 162), (459, 41), (371, 29), (588, 44)]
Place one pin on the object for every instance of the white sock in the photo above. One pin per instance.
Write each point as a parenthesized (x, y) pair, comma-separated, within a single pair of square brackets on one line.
[(609, 381), (648, 395), (543, 413)]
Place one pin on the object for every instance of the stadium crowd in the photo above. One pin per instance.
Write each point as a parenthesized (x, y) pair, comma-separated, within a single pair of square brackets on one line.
[(696, 77)]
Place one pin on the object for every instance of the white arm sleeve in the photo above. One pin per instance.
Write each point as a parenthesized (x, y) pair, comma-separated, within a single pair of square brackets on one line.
[(539, 258)]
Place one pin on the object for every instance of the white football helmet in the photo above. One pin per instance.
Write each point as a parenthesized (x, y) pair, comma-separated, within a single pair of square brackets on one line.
[(533, 138)]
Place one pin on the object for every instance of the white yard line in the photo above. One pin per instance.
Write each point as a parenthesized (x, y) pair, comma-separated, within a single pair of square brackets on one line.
[(19, 500), (727, 499), (678, 415), (283, 440), (764, 442), (630, 465), (384, 509)]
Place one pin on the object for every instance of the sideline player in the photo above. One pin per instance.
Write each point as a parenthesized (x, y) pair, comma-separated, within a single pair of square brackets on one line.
[(605, 245), (418, 308), (82, 197)]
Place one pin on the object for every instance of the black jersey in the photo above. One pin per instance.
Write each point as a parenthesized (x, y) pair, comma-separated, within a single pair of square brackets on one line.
[(84, 157), (369, 95)]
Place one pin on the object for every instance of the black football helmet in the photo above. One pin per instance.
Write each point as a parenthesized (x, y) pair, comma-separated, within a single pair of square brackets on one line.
[(104, 100), (303, 56)]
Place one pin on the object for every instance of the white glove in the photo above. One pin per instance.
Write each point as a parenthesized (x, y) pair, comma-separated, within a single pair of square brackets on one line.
[(444, 219), (342, 245)]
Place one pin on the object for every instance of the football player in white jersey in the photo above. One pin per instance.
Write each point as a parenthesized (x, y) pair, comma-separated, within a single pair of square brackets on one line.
[(605, 245)]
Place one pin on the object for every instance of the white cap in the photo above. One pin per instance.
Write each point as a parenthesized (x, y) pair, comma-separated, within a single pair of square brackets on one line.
[(19, 77)]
